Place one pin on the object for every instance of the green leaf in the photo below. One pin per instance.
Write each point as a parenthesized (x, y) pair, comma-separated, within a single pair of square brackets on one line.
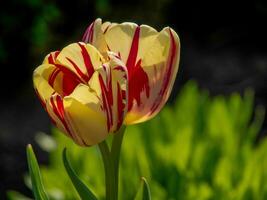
[(144, 191), (84, 192), (37, 185)]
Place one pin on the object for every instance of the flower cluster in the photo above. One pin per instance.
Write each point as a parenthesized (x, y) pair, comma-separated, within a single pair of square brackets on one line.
[(119, 74)]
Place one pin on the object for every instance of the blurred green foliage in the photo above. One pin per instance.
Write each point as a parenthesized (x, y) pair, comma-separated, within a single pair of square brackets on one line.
[(201, 148)]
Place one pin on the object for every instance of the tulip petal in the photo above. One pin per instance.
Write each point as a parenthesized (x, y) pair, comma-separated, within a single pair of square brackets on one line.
[(88, 124), (92, 112), (94, 35), (51, 58), (78, 114), (49, 78), (48, 94), (106, 26), (122, 38), (81, 59), (160, 64), (110, 83), (131, 42), (56, 111), (40, 81)]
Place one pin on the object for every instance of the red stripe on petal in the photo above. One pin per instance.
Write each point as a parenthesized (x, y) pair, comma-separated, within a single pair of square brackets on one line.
[(87, 61), (121, 106), (59, 111), (68, 84), (69, 80), (55, 110), (89, 34), (119, 68), (51, 59), (168, 75), (69, 73), (56, 53), (134, 50), (107, 100), (106, 28), (60, 106), (138, 79), (80, 73), (53, 76)]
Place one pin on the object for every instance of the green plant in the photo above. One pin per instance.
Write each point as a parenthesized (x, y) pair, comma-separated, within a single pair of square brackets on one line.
[(201, 147)]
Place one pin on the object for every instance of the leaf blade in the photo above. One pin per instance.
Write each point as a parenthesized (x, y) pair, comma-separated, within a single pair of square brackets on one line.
[(37, 184), (143, 192), (84, 192), (146, 190)]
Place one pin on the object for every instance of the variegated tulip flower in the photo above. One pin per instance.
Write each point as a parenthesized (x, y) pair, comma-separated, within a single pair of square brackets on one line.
[(151, 59), (84, 94), (119, 74)]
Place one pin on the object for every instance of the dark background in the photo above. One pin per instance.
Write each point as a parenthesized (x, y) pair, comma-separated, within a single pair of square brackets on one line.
[(223, 49)]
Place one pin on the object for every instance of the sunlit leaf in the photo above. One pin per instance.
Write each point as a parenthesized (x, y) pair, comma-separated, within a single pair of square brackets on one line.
[(81, 188), (37, 185)]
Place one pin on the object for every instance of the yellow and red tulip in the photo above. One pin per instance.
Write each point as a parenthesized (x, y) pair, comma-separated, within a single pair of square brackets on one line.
[(119, 74)]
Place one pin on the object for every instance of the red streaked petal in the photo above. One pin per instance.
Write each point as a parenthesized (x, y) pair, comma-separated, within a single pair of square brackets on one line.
[(131, 42), (53, 76), (68, 84), (80, 58), (89, 34), (84, 77), (121, 105), (51, 58), (94, 35), (111, 86), (138, 80), (133, 51), (87, 123), (87, 61), (106, 91), (168, 73), (57, 113), (160, 64)]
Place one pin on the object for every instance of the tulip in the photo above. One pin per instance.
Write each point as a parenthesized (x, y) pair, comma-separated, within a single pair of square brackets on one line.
[(84, 94), (151, 58), (120, 74)]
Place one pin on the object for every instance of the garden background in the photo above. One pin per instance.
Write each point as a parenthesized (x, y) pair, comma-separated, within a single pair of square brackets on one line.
[(223, 49)]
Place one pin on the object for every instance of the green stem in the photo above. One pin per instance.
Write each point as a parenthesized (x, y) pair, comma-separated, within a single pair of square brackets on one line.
[(111, 164), (115, 155), (108, 165)]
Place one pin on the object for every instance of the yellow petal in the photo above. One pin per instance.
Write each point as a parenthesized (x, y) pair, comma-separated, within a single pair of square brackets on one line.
[(106, 26), (127, 39), (40, 80), (94, 35), (160, 63), (86, 96), (57, 113), (80, 58), (86, 123)]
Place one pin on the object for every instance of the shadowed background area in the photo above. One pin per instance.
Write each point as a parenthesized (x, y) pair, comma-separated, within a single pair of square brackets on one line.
[(223, 49)]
